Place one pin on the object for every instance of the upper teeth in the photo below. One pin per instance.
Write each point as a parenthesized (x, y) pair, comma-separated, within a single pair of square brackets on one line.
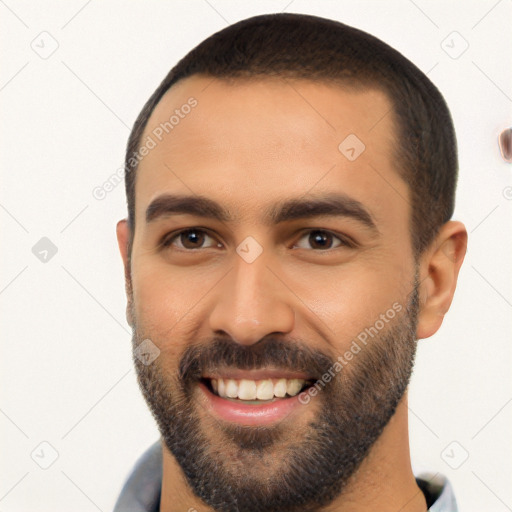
[(266, 389)]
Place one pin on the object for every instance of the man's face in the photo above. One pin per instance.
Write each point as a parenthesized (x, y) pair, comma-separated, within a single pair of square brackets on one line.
[(263, 300)]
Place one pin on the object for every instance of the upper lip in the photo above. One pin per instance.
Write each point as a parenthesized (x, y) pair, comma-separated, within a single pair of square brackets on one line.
[(256, 374)]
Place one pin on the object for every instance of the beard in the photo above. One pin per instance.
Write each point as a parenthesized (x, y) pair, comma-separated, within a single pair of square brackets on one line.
[(288, 466)]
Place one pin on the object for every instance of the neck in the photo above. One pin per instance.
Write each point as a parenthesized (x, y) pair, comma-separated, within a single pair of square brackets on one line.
[(383, 482)]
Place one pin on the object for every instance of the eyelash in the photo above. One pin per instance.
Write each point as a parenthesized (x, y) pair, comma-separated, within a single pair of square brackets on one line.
[(346, 241)]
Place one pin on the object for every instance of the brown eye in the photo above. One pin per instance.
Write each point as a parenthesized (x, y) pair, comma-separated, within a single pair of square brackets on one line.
[(319, 239), (190, 239)]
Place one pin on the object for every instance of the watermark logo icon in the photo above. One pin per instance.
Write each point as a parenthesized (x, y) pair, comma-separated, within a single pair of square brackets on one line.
[(249, 249), (147, 352), (454, 45), (45, 45), (44, 250), (351, 147), (455, 455), (44, 455)]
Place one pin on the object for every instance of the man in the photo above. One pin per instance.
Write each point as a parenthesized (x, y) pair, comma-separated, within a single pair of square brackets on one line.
[(290, 186)]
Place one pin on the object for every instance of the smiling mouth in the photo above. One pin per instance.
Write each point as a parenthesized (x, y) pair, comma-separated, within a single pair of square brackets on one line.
[(257, 391)]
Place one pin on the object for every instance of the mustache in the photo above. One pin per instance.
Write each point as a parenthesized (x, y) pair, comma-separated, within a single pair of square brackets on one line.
[(269, 352)]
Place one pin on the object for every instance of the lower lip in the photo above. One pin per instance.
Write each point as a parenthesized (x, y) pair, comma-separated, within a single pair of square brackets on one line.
[(250, 414)]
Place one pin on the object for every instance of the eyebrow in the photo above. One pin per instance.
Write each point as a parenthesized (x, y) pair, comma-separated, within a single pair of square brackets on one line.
[(335, 205)]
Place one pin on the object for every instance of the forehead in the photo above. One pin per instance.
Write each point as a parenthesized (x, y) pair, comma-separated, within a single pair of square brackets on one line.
[(251, 143)]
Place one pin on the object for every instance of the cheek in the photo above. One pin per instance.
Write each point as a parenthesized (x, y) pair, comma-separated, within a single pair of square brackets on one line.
[(167, 301), (351, 297)]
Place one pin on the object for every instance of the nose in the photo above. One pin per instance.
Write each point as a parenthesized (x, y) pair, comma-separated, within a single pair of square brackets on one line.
[(251, 303)]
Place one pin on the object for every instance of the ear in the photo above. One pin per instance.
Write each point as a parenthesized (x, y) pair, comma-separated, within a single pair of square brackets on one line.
[(123, 238), (439, 269)]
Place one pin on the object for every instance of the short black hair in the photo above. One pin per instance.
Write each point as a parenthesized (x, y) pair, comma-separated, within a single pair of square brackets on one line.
[(323, 50)]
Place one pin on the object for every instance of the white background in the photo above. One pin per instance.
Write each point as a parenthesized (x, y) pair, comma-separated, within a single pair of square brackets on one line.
[(66, 370)]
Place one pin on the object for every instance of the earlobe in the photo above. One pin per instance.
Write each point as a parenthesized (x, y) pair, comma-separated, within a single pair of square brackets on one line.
[(439, 270), (123, 237)]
